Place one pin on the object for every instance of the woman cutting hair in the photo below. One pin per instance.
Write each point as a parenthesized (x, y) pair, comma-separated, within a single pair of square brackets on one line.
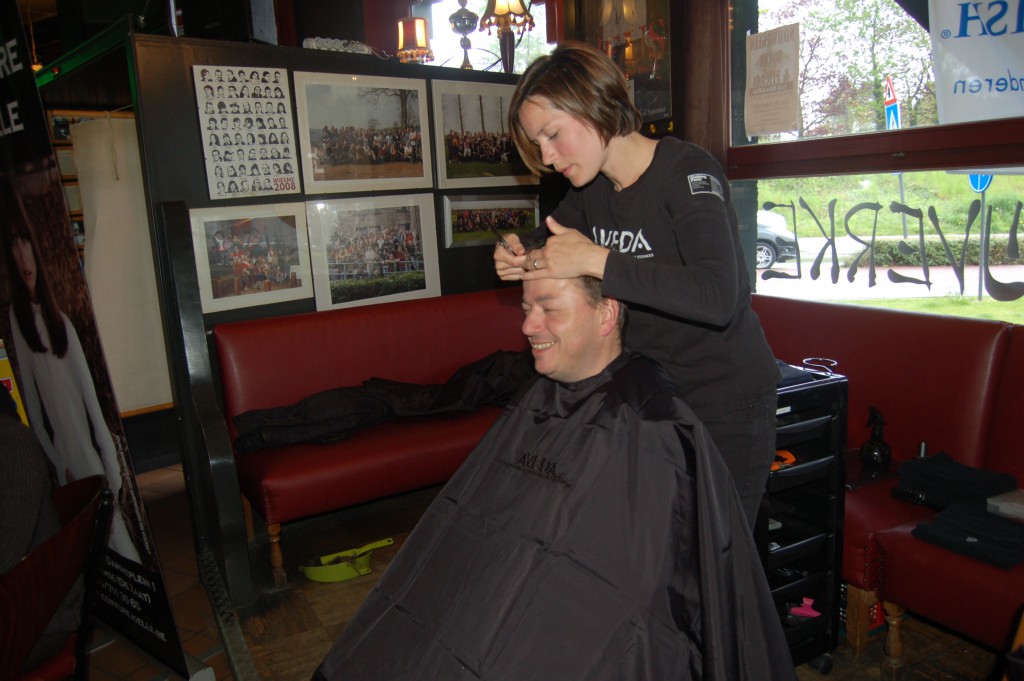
[(654, 220)]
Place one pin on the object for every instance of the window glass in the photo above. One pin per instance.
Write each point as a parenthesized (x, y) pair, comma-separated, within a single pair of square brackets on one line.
[(483, 53), (867, 65), (894, 239)]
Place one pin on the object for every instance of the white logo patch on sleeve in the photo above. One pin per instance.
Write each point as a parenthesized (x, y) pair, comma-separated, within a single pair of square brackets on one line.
[(702, 183)]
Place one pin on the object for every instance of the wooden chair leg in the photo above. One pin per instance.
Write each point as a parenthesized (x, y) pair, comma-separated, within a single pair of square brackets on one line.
[(1018, 641), (250, 531), (894, 644), (276, 557), (858, 617)]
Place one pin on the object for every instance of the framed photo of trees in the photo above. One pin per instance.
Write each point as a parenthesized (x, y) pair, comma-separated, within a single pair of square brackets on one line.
[(362, 133), (474, 144)]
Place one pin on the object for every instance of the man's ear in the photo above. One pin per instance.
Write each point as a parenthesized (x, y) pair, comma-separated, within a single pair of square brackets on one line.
[(610, 311)]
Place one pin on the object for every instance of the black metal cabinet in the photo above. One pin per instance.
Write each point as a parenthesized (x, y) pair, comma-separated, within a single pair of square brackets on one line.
[(799, 529)]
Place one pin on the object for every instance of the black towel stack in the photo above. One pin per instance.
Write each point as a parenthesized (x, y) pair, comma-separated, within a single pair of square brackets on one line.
[(939, 481)]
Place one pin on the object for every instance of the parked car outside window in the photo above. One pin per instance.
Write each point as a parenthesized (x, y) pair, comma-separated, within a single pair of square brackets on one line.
[(775, 242)]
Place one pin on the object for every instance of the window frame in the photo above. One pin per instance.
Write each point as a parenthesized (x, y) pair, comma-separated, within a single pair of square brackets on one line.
[(993, 143)]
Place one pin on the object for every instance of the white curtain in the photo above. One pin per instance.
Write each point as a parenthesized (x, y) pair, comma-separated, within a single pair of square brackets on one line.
[(119, 262)]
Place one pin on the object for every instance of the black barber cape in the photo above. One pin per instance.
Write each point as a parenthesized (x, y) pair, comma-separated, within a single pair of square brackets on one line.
[(593, 534)]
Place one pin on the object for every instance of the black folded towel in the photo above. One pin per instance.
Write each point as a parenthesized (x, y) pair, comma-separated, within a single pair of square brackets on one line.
[(939, 481), (972, 531)]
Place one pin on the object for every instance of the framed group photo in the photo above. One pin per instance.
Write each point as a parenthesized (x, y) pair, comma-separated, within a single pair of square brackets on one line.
[(474, 219), (474, 144), (251, 255), (362, 133), (373, 250)]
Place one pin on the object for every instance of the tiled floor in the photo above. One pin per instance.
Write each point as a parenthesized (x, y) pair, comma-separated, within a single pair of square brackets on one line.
[(163, 494)]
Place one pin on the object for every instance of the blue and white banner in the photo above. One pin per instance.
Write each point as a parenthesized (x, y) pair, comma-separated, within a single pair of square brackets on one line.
[(978, 57)]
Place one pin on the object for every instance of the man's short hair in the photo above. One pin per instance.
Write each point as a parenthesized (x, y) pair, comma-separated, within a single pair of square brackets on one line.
[(592, 289)]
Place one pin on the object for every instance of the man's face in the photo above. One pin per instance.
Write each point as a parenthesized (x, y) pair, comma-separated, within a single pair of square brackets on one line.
[(570, 338)]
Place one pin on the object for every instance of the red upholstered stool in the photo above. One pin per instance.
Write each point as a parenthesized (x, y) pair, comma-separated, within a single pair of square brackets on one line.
[(978, 600), (870, 508)]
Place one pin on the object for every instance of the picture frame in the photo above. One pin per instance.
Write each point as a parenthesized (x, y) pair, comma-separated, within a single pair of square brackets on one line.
[(362, 133), (73, 198), (66, 162), (248, 131), (473, 144), (251, 255), (78, 230), (469, 218), (59, 121), (373, 249)]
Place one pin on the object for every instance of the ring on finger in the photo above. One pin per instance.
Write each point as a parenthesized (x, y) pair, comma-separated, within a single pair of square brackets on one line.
[(535, 266)]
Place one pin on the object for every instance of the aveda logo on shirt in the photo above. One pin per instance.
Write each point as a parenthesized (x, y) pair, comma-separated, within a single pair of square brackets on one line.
[(538, 465), (622, 240)]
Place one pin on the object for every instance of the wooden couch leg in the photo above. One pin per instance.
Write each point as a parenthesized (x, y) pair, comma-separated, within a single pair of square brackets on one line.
[(892, 664), (858, 617), (250, 532), (276, 557)]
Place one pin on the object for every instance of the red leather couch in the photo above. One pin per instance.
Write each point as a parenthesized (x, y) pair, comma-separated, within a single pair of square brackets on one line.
[(956, 384), (279, 361)]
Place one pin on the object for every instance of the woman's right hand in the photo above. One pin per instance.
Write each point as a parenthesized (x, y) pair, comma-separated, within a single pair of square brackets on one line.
[(510, 267)]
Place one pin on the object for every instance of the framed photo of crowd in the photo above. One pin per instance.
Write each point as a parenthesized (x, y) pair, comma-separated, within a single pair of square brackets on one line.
[(474, 144), (473, 219), (374, 249), (362, 133), (248, 131), (251, 255)]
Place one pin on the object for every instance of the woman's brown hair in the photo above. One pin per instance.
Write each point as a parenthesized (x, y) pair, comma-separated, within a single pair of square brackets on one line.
[(585, 83), (17, 226)]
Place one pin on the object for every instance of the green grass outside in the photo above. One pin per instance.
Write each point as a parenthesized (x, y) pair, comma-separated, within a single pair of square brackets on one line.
[(958, 306)]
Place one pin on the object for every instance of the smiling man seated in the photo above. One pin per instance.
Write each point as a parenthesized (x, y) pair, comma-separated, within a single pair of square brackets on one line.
[(594, 533)]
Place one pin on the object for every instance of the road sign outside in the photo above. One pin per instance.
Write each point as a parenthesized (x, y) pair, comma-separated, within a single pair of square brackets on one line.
[(890, 91), (892, 116), (979, 182)]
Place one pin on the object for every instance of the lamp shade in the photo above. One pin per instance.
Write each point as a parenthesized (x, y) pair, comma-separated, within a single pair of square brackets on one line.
[(506, 14), (502, 7), (413, 44)]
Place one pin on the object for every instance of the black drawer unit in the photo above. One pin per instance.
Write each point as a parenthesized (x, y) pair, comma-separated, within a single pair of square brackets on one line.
[(799, 530)]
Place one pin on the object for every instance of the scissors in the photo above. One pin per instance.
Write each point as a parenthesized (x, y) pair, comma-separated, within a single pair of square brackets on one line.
[(501, 240)]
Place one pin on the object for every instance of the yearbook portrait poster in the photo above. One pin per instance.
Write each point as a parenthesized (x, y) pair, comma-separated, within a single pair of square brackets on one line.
[(248, 132)]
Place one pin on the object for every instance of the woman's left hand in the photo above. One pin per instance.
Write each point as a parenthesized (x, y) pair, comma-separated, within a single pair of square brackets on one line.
[(567, 253)]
